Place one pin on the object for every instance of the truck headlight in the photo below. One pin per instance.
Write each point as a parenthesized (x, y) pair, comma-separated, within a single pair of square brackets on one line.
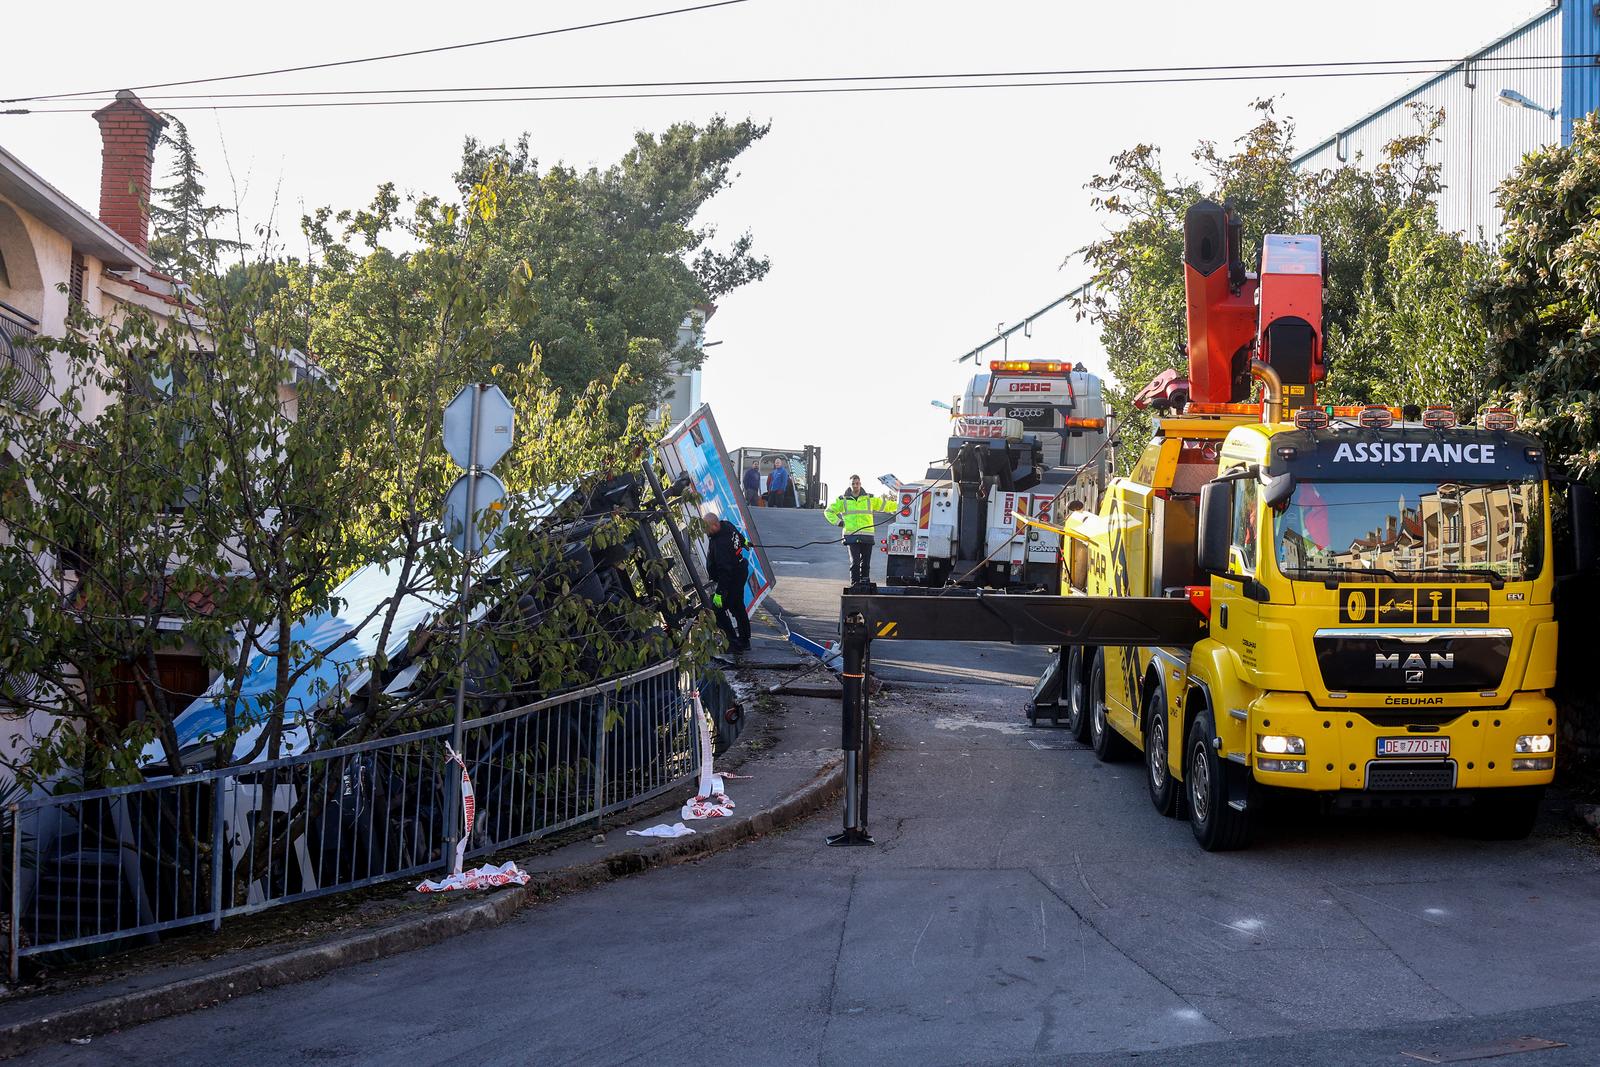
[(1535, 743), (1539, 763), (1282, 745), (1291, 766)]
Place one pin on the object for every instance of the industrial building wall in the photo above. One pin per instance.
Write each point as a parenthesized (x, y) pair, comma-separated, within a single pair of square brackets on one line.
[(1580, 80), (1481, 139)]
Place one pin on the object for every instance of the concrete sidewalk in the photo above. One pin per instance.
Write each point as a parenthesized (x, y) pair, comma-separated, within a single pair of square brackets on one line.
[(789, 766)]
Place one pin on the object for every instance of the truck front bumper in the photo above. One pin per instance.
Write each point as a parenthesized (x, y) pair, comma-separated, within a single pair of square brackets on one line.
[(1295, 745)]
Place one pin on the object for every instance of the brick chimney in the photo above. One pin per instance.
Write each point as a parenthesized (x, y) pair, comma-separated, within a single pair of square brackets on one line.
[(128, 135)]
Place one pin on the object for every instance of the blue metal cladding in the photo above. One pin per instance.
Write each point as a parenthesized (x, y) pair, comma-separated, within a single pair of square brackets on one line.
[(1580, 80)]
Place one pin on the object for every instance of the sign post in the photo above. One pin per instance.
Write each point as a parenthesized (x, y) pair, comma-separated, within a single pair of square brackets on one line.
[(479, 425)]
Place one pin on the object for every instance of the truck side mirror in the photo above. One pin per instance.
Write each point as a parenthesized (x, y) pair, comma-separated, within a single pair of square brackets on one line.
[(1583, 514), (1277, 489), (1216, 526)]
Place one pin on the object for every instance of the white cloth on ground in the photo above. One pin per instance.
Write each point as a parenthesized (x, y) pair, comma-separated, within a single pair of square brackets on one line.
[(677, 829)]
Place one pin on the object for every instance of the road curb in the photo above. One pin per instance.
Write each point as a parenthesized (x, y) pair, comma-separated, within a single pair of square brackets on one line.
[(314, 961)]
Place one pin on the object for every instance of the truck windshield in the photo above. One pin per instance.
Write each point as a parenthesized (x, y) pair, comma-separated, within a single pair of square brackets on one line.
[(1405, 530)]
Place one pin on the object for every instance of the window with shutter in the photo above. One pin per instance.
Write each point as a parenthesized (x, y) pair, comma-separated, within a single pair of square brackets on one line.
[(75, 279)]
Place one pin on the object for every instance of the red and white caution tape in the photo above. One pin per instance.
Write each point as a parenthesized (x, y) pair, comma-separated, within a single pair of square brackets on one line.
[(484, 877), (709, 802)]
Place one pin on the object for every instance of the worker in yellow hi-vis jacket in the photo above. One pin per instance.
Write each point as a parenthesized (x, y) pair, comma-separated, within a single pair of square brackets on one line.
[(854, 512)]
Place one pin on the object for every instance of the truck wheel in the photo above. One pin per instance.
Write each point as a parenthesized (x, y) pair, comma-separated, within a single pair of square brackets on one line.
[(1108, 745), (1506, 814), (1075, 697), (1218, 827), (1157, 775)]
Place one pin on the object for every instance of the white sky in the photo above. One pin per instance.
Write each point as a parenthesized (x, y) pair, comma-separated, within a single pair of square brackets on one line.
[(902, 227)]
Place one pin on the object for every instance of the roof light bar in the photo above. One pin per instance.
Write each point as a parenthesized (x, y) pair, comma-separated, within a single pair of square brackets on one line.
[(1499, 419), (1353, 411), (1201, 407), (1029, 366), (1439, 417), (1375, 417), (1311, 419)]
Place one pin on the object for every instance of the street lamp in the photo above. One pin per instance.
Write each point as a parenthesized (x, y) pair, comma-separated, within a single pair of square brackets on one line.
[(1512, 98)]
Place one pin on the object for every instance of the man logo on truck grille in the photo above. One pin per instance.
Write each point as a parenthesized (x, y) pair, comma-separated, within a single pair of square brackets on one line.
[(1403, 605), (1414, 665)]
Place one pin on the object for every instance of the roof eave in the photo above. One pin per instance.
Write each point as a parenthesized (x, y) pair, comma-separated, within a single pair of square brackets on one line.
[(20, 184)]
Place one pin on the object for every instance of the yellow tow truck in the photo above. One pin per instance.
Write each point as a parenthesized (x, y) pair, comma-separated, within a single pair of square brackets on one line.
[(1380, 631), (1378, 590), (1354, 602)]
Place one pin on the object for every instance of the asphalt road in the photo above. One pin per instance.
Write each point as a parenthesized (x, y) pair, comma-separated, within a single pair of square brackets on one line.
[(1024, 904), (810, 577)]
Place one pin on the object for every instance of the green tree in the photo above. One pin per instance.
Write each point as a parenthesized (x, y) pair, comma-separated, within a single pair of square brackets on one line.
[(617, 260), (184, 238), (1542, 298), (199, 483), (1418, 336)]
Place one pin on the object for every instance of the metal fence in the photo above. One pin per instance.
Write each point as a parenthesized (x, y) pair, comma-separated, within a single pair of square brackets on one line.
[(127, 863)]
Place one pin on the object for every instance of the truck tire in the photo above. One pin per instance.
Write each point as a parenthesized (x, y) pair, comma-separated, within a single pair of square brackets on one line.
[(1074, 694), (1506, 814), (1216, 825), (1109, 746), (1157, 775)]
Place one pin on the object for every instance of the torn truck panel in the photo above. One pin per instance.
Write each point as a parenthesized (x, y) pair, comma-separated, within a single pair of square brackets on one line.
[(693, 448)]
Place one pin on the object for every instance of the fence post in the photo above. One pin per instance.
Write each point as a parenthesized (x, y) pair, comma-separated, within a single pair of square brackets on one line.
[(600, 760), (16, 891), (216, 855)]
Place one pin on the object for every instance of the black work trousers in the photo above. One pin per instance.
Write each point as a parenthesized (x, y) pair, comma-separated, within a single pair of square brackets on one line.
[(860, 546), (732, 617)]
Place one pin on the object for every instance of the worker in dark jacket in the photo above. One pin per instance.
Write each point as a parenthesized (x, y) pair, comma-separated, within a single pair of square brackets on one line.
[(729, 571), (752, 484)]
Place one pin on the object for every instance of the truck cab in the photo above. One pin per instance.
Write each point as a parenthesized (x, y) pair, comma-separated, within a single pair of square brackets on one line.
[(1381, 621)]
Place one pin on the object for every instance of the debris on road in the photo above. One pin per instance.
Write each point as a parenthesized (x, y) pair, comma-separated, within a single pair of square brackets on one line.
[(661, 829)]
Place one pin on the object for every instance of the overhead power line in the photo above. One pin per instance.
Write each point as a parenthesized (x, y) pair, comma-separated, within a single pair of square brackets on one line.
[(1262, 68), (793, 87), (385, 56)]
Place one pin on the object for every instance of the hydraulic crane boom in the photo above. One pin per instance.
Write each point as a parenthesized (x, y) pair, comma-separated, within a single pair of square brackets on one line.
[(1237, 317)]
